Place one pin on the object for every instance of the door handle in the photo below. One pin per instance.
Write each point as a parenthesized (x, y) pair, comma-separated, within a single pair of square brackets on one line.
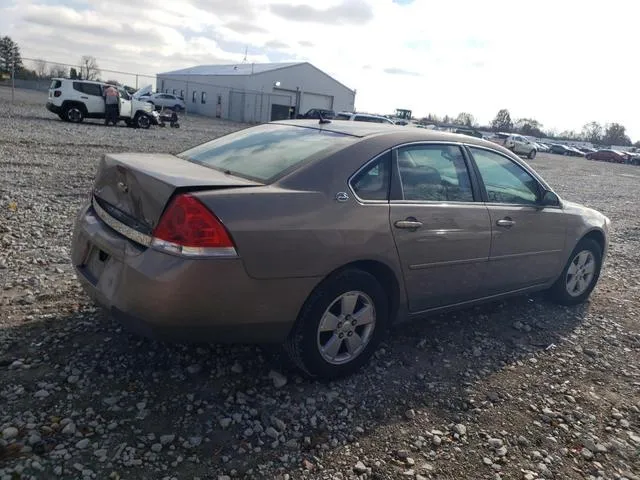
[(86, 98), (409, 224), (505, 222)]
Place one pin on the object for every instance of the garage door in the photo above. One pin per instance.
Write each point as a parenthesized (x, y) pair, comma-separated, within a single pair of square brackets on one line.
[(313, 100)]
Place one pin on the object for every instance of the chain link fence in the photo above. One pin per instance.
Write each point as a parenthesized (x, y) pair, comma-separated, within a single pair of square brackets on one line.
[(36, 74)]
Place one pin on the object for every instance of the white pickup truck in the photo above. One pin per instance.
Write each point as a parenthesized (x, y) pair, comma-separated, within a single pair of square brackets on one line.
[(518, 144)]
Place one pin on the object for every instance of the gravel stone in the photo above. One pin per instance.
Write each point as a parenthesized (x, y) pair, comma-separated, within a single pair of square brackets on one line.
[(278, 379), (360, 468), (82, 444), (495, 443), (9, 433), (460, 429)]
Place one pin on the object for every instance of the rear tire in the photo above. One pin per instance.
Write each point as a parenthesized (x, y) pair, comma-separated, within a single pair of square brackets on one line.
[(340, 325), (580, 275), (74, 114)]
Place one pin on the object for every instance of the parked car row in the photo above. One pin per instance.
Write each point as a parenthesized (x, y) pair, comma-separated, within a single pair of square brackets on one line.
[(614, 156), (317, 113)]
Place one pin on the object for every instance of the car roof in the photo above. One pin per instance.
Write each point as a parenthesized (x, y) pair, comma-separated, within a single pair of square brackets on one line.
[(403, 134), (80, 80)]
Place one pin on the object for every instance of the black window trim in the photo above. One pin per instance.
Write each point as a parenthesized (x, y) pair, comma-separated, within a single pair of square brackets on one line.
[(542, 185), (363, 201), (396, 195)]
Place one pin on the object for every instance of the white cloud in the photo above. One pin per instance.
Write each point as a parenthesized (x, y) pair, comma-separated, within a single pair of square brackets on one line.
[(564, 63)]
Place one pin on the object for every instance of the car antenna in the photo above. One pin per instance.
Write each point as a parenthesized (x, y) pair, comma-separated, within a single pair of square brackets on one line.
[(322, 119)]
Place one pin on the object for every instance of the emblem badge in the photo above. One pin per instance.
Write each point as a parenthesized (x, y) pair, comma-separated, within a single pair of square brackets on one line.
[(123, 187), (342, 196)]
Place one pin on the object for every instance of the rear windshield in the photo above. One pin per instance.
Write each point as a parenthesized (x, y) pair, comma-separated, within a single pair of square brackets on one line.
[(265, 152)]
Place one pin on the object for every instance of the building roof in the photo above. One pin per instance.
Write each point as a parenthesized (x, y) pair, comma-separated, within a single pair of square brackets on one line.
[(233, 69)]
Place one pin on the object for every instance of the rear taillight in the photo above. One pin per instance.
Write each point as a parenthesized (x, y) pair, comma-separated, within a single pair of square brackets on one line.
[(189, 228), (57, 93)]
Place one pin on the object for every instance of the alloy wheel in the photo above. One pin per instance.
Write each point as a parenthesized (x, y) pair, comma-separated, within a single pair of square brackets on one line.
[(580, 273), (346, 327), (74, 115)]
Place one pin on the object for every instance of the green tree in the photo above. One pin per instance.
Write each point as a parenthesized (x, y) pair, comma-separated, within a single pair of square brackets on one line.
[(592, 132), (502, 122), (616, 134), (73, 74), (466, 119), (9, 55)]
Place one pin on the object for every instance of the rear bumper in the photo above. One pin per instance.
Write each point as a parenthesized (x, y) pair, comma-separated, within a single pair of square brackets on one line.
[(54, 108), (168, 297)]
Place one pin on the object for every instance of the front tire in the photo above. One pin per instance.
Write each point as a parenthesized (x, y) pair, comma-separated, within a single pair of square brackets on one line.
[(532, 154), (340, 325), (580, 276), (142, 120)]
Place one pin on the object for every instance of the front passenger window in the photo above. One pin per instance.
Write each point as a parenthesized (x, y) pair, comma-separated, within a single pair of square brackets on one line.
[(504, 180)]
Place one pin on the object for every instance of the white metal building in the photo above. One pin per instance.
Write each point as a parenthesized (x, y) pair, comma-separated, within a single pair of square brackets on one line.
[(256, 92)]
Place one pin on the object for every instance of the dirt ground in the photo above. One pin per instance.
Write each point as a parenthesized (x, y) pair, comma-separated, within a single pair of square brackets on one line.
[(520, 389)]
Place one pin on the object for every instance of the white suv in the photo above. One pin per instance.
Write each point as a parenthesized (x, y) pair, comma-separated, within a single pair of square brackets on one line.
[(75, 100)]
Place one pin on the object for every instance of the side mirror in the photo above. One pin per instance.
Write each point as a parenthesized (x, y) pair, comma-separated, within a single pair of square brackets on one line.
[(549, 199)]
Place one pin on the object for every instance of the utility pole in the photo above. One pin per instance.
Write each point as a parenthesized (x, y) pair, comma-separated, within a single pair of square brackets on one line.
[(13, 77)]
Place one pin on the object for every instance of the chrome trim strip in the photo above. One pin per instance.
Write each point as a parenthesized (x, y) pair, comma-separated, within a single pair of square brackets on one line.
[(120, 227), (448, 263), (524, 254)]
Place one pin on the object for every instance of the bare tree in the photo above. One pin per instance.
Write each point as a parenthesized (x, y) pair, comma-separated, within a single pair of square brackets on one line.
[(41, 68), (593, 132), (89, 69), (465, 118), (58, 71)]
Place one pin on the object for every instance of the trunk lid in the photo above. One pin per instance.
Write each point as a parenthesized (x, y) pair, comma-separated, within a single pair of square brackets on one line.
[(136, 187)]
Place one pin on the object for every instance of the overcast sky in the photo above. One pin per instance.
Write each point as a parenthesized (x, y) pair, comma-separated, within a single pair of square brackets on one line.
[(563, 62)]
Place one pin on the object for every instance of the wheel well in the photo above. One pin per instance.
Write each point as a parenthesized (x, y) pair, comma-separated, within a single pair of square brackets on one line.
[(385, 276), (597, 236), (79, 105)]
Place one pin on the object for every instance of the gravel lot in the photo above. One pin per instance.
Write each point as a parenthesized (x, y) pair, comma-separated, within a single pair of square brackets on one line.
[(520, 389)]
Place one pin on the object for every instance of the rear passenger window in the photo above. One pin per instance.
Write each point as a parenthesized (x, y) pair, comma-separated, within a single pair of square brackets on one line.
[(372, 183), (434, 173), (88, 88), (55, 84)]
